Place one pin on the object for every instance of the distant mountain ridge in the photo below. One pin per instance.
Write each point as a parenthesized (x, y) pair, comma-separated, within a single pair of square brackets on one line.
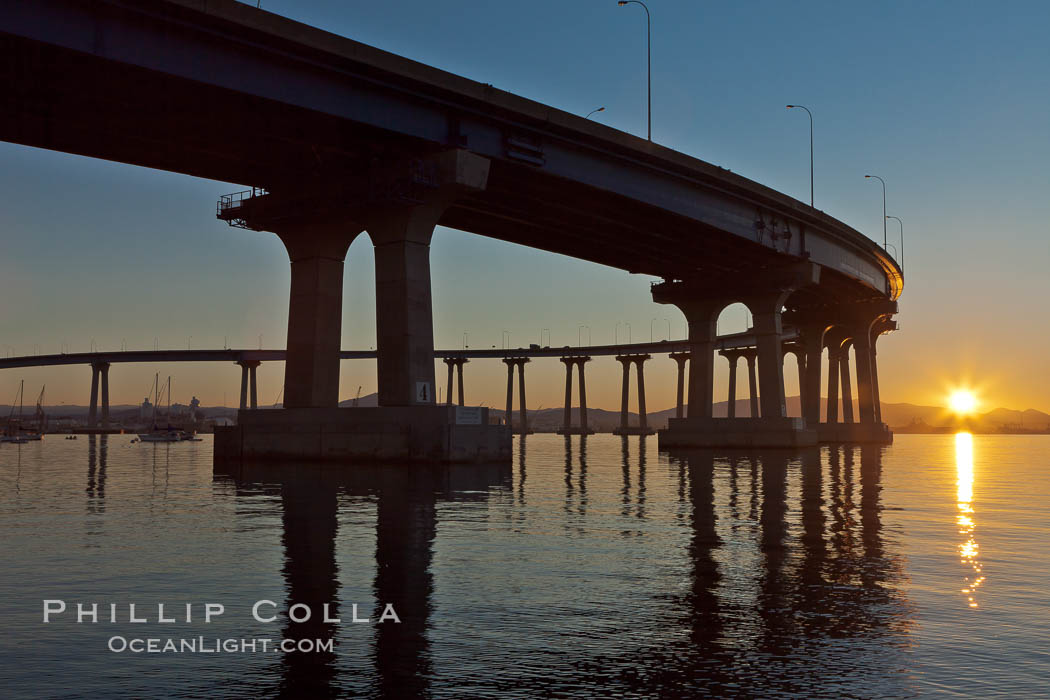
[(897, 415)]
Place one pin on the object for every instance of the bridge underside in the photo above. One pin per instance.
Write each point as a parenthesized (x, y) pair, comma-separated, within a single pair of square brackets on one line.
[(376, 152)]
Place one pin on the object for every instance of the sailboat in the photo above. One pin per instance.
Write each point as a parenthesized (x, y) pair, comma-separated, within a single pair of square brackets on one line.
[(168, 434), (41, 419), (13, 431)]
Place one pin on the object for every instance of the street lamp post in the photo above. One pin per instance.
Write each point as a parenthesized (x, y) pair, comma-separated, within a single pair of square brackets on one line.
[(649, 56), (898, 220), (876, 177), (593, 112), (810, 148)]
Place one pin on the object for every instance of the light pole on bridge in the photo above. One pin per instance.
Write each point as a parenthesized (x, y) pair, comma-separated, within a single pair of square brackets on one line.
[(594, 111), (898, 220), (648, 59), (810, 148), (876, 177)]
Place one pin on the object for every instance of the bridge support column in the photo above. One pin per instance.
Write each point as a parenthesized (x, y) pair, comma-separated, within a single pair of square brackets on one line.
[(810, 374), (249, 385), (862, 350), (523, 419), (625, 391), (643, 419), (733, 358), (581, 364), (833, 384), (93, 406), (875, 399), (680, 359), (567, 422), (768, 333), (104, 376), (315, 312), (244, 386), (567, 427), (752, 382), (455, 364), (847, 380)]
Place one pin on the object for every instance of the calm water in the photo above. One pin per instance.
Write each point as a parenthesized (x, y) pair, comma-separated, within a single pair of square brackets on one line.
[(601, 569)]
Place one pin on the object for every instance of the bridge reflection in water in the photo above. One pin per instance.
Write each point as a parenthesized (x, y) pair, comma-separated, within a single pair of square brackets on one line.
[(787, 586)]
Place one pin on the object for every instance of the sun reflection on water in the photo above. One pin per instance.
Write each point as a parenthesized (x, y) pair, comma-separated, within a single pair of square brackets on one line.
[(968, 549)]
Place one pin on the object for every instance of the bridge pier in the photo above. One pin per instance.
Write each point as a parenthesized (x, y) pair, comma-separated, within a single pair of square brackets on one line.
[(680, 359), (643, 419), (837, 328), (702, 302), (523, 418), (832, 410), (99, 377), (455, 363), (567, 428), (398, 203), (249, 386)]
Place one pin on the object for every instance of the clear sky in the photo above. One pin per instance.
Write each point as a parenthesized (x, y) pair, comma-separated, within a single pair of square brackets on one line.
[(948, 101)]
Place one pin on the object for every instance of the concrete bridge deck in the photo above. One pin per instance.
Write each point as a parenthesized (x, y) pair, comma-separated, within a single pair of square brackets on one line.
[(336, 138)]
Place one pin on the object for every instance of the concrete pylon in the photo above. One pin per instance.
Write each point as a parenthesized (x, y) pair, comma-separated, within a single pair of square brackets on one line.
[(733, 359), (448, 384), (459, 376), (810, 361), (865, 393), (104, 372), (625, 392), (643, 419), (581, 364), (847, 380), (567, 427), (768, 330), (455, 372), (93, 405), (316, 249), (244, 386), (752, 382), (833, 383), (680, 359), (249, 384), (567, 422), (401, 235), (523, 419)]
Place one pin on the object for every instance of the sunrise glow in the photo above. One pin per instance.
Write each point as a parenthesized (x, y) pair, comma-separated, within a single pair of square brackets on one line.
[(962, 401)]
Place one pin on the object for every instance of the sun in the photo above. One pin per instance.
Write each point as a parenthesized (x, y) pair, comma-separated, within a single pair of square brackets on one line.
[(962, 402)]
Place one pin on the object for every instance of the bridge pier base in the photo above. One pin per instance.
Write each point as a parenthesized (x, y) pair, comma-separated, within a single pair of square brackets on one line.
[(737, 432), (365, 435)]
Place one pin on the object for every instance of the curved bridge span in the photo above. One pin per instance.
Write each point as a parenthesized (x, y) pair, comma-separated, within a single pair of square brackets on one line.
[(336, 138)]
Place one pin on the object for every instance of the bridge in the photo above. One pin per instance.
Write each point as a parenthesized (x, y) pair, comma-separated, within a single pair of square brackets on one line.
[(732, 346), (333, 138)]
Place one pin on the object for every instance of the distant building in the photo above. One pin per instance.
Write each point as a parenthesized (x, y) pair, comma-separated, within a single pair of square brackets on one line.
[(146, 410)]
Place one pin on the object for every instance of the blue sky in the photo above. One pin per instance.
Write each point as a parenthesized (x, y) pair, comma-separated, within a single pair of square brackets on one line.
[(948, 101)]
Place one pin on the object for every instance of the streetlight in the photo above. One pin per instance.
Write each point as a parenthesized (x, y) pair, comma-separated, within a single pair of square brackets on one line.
[(898, 220), (594, 111), (579, 335), (883, 207), (810, 148), (649, 55)]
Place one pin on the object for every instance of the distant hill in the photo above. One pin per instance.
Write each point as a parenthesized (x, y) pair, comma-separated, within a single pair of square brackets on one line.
[(904, 417)]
